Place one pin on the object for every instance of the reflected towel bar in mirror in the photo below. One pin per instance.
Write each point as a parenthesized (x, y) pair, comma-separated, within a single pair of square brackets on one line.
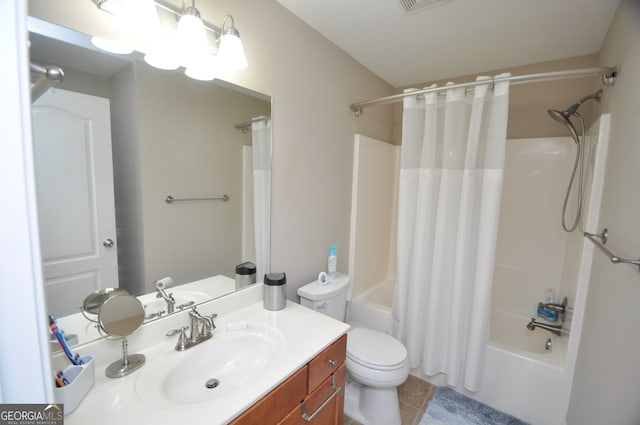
[(170, 199), (612, 257)]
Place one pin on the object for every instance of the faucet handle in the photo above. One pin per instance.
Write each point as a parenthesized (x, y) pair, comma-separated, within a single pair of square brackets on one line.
[(173, 332), (208, 325), (182, 339)]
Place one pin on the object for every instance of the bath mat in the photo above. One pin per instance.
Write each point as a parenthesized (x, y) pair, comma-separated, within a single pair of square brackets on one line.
[(448, 407)]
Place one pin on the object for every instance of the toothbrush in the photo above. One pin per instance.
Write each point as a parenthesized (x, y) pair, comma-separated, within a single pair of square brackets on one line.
[(63, 343), (59, 382), (60, 375)]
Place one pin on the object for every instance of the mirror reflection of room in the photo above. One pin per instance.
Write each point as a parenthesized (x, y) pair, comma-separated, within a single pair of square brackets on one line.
[(113, 142)]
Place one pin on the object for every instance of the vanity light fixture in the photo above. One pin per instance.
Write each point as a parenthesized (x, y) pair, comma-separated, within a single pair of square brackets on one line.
[(192, 36), (231, 51), (204, 68), (128, 10), (183, 39), (111, 46)]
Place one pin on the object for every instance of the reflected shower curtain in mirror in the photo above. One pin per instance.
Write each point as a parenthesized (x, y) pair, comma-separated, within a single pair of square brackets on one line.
[(452, 166), (261, 142)]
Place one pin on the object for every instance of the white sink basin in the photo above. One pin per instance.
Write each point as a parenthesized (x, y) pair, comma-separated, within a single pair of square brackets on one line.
[(218, 368)]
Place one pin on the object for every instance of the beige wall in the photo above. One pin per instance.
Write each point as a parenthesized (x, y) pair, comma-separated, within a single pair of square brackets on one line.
[(607, 379), (187, 148), (312, 83), (83, 82), (195, 152), (528, 103)]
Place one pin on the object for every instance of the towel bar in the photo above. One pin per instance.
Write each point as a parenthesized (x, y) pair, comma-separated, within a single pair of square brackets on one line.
[(612, 257)]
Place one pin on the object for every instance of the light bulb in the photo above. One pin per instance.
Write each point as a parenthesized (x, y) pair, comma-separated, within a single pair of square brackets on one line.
[(192, 37), (164, 54), (111, 46), (231, 51), (205, 68)]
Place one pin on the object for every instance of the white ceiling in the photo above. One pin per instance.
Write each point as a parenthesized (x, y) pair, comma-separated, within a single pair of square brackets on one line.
[(457, 37)]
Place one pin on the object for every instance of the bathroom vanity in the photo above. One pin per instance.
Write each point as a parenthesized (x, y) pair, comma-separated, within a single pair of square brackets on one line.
[(284, 367), (313, 394)]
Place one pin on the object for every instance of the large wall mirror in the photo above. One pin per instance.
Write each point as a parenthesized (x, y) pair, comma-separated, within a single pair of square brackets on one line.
[(144, 176)]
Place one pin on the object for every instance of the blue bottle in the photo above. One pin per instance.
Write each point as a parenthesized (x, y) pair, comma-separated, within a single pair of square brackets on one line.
[(332, 262)]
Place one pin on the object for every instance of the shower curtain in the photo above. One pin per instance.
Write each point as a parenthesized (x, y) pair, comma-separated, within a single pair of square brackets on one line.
[(452, 163), (261, 142)]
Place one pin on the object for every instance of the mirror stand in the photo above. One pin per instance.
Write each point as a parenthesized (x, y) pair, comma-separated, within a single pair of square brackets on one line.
[(128, 364), (121, 316)]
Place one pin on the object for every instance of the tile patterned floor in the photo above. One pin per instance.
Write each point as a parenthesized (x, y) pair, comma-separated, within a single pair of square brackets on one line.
[(414, 396)]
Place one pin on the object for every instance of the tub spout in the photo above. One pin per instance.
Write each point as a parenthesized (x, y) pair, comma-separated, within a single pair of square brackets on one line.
[(556, 329)]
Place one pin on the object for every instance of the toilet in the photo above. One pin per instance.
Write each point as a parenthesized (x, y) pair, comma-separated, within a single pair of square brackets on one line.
[(376, 362)]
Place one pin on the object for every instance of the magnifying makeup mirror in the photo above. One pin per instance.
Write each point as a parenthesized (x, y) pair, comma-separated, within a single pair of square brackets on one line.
[(120, 316), (94, 301)]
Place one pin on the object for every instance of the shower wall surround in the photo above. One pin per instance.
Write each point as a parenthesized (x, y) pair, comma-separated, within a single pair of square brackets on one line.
[(374, 206), (533, 255)]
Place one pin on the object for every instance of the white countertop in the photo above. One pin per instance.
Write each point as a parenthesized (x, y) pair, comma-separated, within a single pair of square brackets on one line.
[(199, 291), (305, 333)]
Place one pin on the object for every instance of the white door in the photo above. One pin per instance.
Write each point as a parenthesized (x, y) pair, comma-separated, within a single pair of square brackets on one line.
[(74, 183)]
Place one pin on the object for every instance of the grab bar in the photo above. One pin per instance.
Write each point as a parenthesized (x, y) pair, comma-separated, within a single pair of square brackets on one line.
[(170, 199), (612, 257)]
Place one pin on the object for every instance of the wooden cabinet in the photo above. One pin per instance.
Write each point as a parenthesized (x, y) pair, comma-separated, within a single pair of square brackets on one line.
[(313, 394), (323, 406)]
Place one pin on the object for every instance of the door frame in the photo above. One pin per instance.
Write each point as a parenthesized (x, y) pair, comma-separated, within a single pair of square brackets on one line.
[(25, 369)]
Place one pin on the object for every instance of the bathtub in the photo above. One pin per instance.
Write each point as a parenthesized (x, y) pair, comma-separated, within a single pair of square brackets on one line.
[(372, 309), (521, 377), (509, 332)]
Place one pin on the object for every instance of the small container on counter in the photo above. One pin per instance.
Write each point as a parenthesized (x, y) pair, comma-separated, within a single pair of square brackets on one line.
[(274, 291), (80, 379), (245, 274)]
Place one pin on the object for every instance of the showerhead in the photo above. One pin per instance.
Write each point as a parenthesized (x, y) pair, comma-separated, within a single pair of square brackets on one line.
[(563, 117)]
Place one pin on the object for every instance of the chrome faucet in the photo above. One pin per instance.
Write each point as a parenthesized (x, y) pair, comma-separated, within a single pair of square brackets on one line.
[(556, 329), (171, 302), (201, 330), (201, 326)]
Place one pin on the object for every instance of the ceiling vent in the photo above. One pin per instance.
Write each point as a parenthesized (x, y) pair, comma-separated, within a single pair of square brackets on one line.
[(412, 6)]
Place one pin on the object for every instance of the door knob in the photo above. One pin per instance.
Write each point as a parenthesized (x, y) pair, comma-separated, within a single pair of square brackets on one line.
[(108, 243)]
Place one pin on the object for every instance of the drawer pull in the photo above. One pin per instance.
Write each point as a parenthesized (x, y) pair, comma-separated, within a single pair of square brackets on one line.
[(336, 390), (333, 363)]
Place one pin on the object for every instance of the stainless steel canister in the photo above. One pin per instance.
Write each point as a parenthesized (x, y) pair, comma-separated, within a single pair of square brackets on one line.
[(245, 274), (274, 291)]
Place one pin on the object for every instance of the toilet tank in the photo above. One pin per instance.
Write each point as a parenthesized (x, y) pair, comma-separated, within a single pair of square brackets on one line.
[(329, 299)]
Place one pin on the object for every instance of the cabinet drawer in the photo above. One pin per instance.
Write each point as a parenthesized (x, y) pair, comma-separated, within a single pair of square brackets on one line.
[(275, 405), (325, 405), (326, 363)]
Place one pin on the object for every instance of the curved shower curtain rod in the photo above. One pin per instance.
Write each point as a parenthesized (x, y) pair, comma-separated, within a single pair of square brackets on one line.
[(49, 76), (246, 126), (608, 78)]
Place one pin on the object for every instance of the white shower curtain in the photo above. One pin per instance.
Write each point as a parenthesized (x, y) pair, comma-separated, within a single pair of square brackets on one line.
[(451, 174), (261, 143)]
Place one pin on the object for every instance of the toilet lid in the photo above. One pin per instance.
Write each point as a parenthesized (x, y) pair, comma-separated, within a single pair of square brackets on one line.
[(373, 348)]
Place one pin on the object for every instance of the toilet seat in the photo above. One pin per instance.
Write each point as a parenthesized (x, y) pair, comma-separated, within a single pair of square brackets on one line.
[(375, 350)]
